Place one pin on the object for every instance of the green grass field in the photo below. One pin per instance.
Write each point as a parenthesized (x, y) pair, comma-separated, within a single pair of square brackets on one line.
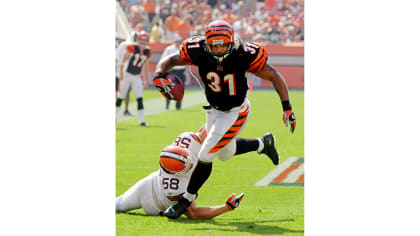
[(272, 210)]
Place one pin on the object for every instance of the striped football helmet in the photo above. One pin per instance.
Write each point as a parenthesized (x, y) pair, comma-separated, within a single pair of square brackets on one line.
[(142, 38), (176, 160), (219, 32)]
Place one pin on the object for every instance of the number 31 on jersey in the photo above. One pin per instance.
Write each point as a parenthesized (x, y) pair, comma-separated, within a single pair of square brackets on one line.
[(215, 82)]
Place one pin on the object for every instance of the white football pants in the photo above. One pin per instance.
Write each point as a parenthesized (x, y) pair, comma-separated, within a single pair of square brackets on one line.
[(139, 196), (222, 128), (134, 81)]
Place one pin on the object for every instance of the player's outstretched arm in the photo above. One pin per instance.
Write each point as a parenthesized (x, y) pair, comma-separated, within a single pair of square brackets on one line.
[(269, 73), (195, 212)]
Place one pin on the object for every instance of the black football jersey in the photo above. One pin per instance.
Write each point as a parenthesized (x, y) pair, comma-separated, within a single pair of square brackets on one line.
[(137, 58), (225, 83)]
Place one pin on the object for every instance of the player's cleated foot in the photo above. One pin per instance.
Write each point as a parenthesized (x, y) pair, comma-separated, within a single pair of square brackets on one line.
[(269, 148), (127, 113), (179, 208), (144, 124)]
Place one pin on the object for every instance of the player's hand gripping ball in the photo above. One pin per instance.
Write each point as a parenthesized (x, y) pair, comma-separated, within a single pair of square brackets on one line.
[(169, 85)]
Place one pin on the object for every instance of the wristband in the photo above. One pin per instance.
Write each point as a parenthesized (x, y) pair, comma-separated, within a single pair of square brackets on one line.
[(286, 105)]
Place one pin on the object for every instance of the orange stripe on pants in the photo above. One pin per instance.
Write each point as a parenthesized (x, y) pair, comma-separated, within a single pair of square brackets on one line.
[(223, 143)]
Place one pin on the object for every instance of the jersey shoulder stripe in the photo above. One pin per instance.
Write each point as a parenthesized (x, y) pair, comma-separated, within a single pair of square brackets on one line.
[(184, 53), (191, 49), (130, 48), (259, 62), (197, 138)]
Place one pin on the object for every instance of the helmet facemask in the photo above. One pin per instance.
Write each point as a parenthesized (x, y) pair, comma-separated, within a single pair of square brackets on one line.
[(221, 55), (142, 41)]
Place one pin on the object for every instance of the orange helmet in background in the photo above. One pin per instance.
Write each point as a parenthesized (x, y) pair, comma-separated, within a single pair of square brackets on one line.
[(142, 38), (143, 35)]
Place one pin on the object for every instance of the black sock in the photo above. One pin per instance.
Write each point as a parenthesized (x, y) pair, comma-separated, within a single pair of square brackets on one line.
[(199, 176), (140, 103), (118, 103), (244, 145)]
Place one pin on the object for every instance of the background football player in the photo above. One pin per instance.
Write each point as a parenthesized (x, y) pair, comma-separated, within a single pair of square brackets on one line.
[(222, 63), (137, 54), (119, 53)]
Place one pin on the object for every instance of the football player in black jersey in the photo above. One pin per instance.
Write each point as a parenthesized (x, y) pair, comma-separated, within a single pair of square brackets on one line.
[(222, 63), (137, 54)]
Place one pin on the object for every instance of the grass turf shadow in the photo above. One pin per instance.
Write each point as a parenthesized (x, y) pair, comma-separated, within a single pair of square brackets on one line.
[(243, 226)]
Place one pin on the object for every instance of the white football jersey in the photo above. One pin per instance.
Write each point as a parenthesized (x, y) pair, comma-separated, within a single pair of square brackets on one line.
[(170, 187), (159, 190)]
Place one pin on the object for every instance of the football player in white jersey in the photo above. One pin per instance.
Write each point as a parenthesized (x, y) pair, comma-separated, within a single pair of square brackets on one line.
[(162, 188)]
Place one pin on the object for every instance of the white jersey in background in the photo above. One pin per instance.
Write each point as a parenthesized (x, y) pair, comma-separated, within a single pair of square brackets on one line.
[(160, 189), (119, 53), (171, 49)]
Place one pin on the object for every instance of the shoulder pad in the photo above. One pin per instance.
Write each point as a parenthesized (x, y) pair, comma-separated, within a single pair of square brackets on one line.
[(191, 48), (196, 137), (130, 48), (257, 56)]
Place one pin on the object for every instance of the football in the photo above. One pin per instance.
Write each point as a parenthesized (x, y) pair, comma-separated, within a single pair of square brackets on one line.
[(178, 90)]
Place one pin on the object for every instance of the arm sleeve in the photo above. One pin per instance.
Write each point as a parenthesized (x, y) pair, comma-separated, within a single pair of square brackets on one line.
[(191, 50), (184, 53)]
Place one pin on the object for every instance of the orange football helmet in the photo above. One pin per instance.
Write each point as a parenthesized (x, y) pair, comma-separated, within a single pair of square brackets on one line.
[(176, 160), (219, 32), (142, 38)]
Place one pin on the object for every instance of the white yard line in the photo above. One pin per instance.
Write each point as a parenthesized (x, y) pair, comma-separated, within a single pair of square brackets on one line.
[(274, 173), (158, 105)]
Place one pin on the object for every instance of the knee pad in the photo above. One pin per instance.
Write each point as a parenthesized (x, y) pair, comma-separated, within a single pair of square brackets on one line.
[(140, 104), (119, 101)]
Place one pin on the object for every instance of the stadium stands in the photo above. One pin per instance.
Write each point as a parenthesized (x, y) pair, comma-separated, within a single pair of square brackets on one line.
[(274, 21)]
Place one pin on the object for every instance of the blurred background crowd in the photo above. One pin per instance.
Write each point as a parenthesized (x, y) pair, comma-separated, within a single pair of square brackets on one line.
[(274, 21)]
